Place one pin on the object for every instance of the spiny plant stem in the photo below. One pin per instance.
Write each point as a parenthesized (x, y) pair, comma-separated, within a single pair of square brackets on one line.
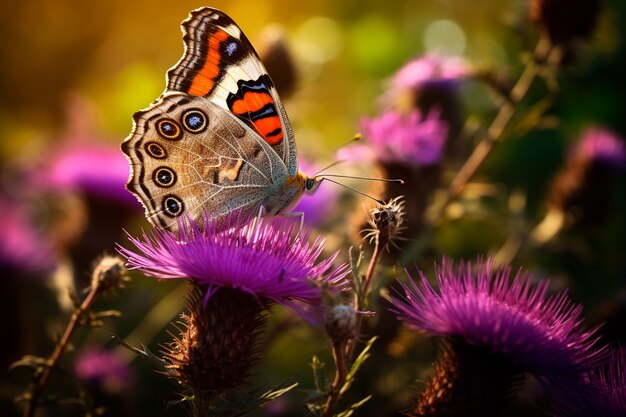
[(370, 271), (360, 300), (341, 372), (343, 352), (42, 379), (497, 127)]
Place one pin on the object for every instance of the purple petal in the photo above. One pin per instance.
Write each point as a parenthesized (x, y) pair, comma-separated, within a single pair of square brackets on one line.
[(272, 259), (484, 306)]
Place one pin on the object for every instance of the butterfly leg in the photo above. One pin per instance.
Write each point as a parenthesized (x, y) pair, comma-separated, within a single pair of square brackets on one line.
[(296, 214), (256, 222)]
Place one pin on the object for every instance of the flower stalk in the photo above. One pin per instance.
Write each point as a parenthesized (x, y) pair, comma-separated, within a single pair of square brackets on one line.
[(340, 358), (342, 348), (542, 54), (387, 222), (107, 275), (41, 380)]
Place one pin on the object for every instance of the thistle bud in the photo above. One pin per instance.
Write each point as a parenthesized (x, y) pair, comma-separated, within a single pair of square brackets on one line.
[(341, 323), (386, 221), (217, 344), (109, 274)]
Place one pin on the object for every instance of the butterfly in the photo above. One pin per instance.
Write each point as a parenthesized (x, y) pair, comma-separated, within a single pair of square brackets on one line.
[(217, 143)]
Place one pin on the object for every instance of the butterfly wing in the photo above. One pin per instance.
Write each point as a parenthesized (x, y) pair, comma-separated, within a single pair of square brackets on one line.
[(217, 142), (220, 64), (190, 157)]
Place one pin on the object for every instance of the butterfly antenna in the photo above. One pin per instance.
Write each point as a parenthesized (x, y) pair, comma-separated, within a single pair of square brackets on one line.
[(394, 181), (356, 137), (328, 167), (355, 190), (328, 177)]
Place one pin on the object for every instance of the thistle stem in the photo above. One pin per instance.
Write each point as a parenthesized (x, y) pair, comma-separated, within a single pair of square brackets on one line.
[(42, 379), (360, 299), (341, 372), (498, 125), (544, 53), (370, 273), (343, 352)]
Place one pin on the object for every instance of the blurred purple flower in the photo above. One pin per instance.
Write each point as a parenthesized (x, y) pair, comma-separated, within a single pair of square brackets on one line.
[(271, 259), (602, 392), (22, 248), (601, 145), (315, 206), (97, 170), (481, 306), (104, 368), (430, 69), (277, 407), (407, 139)]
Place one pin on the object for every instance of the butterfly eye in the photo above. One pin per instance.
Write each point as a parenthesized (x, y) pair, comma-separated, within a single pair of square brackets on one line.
[(194, 121), (164, 177), (155, 150), (173, 206), (169, 129)]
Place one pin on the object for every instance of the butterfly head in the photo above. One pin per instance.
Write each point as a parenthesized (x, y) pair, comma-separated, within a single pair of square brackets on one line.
[(311, 184)]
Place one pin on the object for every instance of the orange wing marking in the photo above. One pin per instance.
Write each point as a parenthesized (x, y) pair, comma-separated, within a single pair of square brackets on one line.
[(254, 104), (204, 81)]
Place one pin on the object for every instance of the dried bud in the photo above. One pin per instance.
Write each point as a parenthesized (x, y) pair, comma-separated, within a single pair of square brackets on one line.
[(341, 323), (217, 344), (386, 221), (109, 274), (566, 20)]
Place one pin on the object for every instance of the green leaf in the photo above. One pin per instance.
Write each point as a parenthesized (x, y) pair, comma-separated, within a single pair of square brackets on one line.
[(144, 352), (318, 373), (30, 361), (353, 407), (357, 277), (107, 314), (357, 364), (251, 400), (535, 118)]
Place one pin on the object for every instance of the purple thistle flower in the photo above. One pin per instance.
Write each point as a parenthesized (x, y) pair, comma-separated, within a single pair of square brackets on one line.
[(96, 170), (408, 139), (104, 368), (481, 306), (585, 182), (315, 206), (430, 69), (601, 145), (601, 393), (271, 259), (610, 382), (22, 248)]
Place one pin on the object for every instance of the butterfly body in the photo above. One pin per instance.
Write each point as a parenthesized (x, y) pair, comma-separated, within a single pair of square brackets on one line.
[(217, 142)]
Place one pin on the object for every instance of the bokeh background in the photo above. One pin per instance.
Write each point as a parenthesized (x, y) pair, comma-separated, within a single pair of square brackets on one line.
[(73, 73)]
